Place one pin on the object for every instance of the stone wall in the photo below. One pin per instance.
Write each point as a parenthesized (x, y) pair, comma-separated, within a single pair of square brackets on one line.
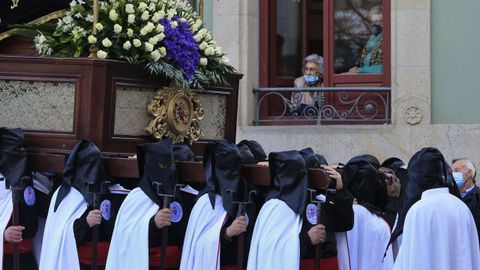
[(236, 29)]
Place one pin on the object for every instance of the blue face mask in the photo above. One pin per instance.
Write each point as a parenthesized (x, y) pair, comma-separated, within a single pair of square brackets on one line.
[(311, 79), (458, 176)]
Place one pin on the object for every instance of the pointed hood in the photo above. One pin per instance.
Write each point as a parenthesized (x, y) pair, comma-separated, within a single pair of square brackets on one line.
[(181, 152), (223, 173), (289, 179), (252, 152), (360, 177), (155, 164), (427, 169), (312, 160), (14, 162), (83, 166)]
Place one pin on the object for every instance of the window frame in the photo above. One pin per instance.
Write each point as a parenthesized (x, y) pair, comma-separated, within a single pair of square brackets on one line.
[(268, 49)]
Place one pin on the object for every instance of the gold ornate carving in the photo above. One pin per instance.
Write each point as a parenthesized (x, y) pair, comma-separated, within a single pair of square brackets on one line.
[(41, 20), (176, 115)]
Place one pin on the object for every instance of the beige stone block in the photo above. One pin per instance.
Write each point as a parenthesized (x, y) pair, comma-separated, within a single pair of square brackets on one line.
[(411, 4), (412, 81), (413, 38)]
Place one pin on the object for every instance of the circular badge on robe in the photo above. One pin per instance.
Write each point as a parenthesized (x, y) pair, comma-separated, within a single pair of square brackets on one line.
[(29, 196), (177, 211), (106, 207), (246, 218), (311, 213)]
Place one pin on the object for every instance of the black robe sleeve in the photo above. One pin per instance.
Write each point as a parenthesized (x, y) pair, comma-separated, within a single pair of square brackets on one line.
[(28, 214), (337, 216), (83, 232)]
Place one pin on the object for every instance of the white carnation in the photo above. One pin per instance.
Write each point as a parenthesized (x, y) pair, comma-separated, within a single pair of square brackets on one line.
[(156, 55), (142, 6), (156, 17), (197, 38), (127, 45), (131, 18), (117, 28), (129, 32), (163, 51), (99, 26), (113, 15), (153, 40), (218, 51), (137, 43), (129, 8), (171, 13), (92, 39), (174, 24), (209, 51), (148, 46), (145, 15), (160, 36), (160, 28), (203, 45), (225, 60), (203, 61), (106, 42), (101, 54)]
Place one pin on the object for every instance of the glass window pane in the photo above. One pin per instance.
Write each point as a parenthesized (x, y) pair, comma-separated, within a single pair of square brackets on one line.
[(358, 37), (315, 27), (289, 38)]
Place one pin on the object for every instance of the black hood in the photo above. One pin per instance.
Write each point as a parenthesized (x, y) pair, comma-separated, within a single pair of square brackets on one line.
[(289, 179), (83, 166), (14, 162), (360, 177), (312, 160), (155, 164), (181, 152), (252, 152), (223, 173), (427, 169), (393, 163)]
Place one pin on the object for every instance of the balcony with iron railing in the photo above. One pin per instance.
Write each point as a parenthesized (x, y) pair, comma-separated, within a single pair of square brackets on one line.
[(327, 106)]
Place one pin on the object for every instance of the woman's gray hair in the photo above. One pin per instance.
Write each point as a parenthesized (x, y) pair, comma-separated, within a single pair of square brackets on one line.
[(314, 58)]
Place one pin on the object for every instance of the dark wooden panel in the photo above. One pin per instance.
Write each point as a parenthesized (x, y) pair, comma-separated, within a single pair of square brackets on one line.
[(94, 113)]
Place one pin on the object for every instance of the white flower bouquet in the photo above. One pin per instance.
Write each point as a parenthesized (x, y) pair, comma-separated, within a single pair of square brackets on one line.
[(167, 37)]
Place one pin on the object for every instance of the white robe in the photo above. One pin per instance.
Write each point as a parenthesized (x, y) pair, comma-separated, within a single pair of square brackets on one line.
[(59, 250), (129, 244), (201, 248), (439, 234), (275, 242), (6, 209), (363, 247)]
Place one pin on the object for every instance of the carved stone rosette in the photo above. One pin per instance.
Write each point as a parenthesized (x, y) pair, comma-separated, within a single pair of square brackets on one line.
[(176, 115)]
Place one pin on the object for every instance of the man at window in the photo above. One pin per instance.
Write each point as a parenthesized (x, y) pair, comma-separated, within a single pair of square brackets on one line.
[(312, 77), (371, 60)]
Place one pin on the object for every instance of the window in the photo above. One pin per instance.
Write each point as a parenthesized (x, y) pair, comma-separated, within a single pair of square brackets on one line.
[(352, 36)]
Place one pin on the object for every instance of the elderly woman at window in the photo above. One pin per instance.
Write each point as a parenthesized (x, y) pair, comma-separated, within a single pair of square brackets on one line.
[(312, 77)]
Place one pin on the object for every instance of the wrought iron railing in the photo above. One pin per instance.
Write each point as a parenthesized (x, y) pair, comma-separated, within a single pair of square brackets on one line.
[(325, 105)]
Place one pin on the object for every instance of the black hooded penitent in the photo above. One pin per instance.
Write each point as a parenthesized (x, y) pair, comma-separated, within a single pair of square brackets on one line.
[(289, 179), (223, 174), (427, 169), (361, 178), (14, 162), (84, 166)]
